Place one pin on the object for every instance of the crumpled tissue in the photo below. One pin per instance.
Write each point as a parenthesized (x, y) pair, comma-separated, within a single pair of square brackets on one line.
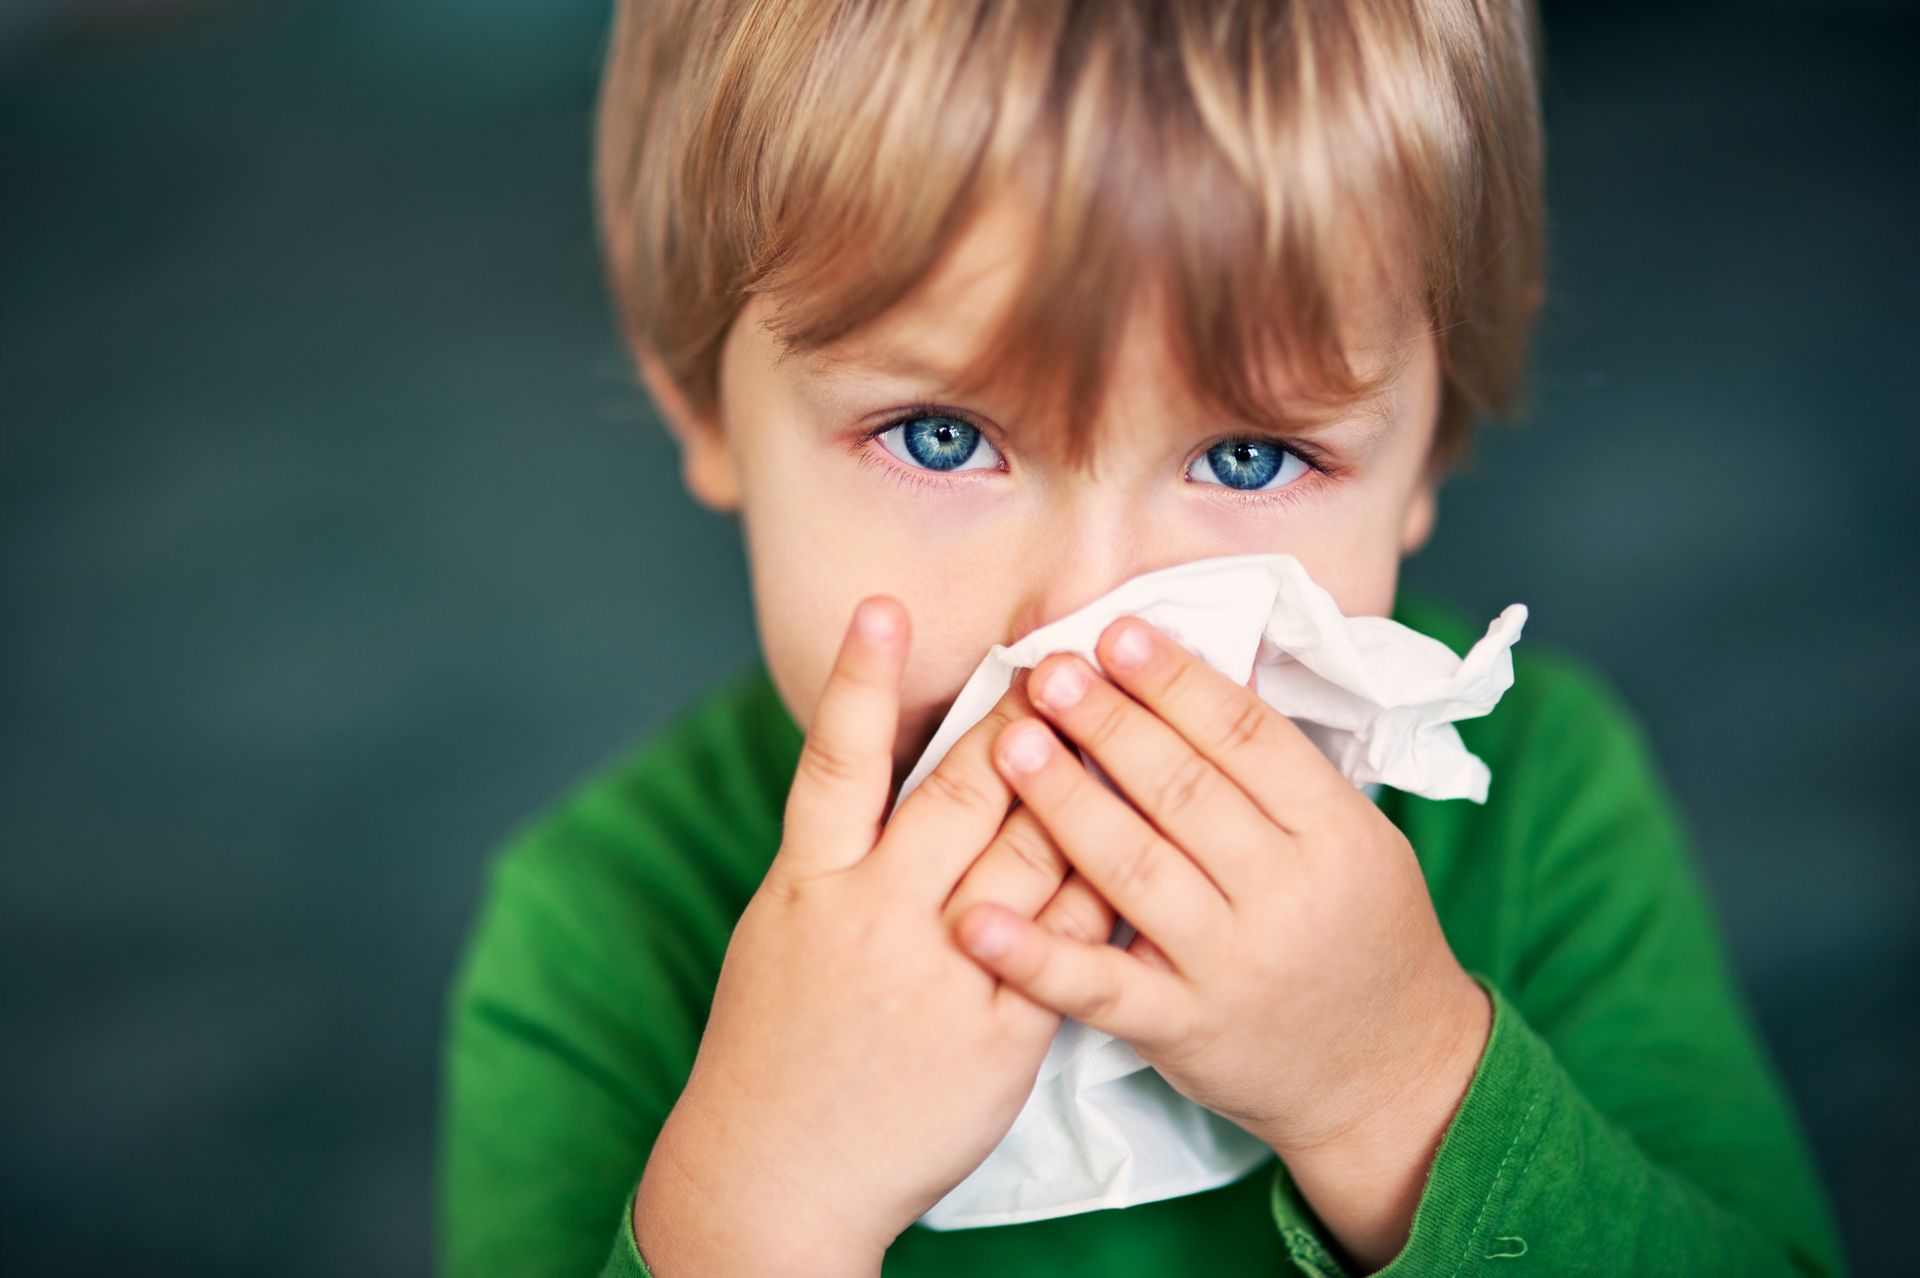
[(1102, 1128)]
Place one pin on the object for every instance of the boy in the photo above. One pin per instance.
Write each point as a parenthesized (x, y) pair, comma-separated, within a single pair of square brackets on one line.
[(973, 309)]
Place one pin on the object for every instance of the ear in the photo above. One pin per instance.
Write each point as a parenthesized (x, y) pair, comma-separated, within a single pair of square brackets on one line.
[(1416, 524), (706, 458)]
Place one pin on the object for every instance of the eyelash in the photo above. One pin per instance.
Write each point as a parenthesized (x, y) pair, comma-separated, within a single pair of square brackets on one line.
[(1321, 470), (921, 479)]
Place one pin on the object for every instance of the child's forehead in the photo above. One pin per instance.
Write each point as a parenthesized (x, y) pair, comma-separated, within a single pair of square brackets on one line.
[(925, 344)]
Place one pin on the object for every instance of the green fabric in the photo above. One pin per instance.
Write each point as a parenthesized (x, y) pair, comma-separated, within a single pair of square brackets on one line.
[(1623, 1118)]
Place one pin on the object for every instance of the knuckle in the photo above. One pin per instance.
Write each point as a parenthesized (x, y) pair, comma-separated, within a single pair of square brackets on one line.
[(956, 788), (1029, 844), (1109, 725), (780, 890), (1246, 725), (824, 762), (1181, 787), (1004, 711), (790, 891), (1137, 870), (1078, 919), (1180, 680)]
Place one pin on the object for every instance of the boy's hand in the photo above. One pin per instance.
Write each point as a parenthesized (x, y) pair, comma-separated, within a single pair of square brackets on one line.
[(855, 1064), (1290, 973)]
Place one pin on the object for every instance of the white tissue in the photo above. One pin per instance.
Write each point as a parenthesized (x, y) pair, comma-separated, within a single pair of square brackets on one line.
[(1101, 1128)]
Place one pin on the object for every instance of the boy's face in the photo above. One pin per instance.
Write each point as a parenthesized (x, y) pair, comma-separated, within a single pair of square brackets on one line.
[(1006, 537)]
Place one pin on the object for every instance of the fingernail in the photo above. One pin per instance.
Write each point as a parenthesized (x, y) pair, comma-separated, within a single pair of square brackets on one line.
[(1025, 748), (1131, 647), (1062, 686), (875, 621), (988, 939)]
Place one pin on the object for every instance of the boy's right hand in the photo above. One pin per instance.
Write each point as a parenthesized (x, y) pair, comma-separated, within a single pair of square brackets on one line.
[(857, 1064)]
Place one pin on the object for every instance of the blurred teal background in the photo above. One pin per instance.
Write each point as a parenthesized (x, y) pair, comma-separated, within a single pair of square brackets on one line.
[(337, 539)]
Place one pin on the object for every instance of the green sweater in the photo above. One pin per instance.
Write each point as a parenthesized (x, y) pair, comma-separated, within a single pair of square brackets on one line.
[(1623, 1117)]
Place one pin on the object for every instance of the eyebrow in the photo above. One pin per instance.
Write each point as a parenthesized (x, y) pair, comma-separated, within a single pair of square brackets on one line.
[(891, 361)]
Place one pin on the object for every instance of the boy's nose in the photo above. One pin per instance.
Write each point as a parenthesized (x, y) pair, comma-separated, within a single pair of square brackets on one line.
[(1070, 567)]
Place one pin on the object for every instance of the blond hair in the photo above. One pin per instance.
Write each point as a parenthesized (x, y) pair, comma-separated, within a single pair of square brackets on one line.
[(826, 152)]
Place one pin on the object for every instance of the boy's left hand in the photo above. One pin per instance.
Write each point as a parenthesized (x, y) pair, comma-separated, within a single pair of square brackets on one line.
[(1289, 972)]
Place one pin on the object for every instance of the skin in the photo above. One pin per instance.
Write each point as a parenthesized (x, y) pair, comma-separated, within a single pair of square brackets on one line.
[(1346, 1043)]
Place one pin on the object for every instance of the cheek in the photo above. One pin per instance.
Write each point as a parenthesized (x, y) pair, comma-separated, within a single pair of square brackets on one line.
[(811, 569), (1350, 552), (801, 648), (1361, 579), (1352, 546), (808, 570)]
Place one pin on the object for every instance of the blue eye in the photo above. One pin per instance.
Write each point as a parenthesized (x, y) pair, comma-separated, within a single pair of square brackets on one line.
[(939, 443), (1248, 465)]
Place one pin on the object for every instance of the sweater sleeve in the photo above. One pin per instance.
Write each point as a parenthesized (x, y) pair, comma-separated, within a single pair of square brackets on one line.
[(625, 1260), (556, 1086), (1623, 1117)]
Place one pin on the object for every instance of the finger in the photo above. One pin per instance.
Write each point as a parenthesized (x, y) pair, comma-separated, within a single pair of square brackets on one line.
[(1022, 869), (845, 772), (1098, 985), (1190, 800), (944, 825), (1075, 912), (1258, 748), (1143, 948), (1154, 885), (1079, 913)]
